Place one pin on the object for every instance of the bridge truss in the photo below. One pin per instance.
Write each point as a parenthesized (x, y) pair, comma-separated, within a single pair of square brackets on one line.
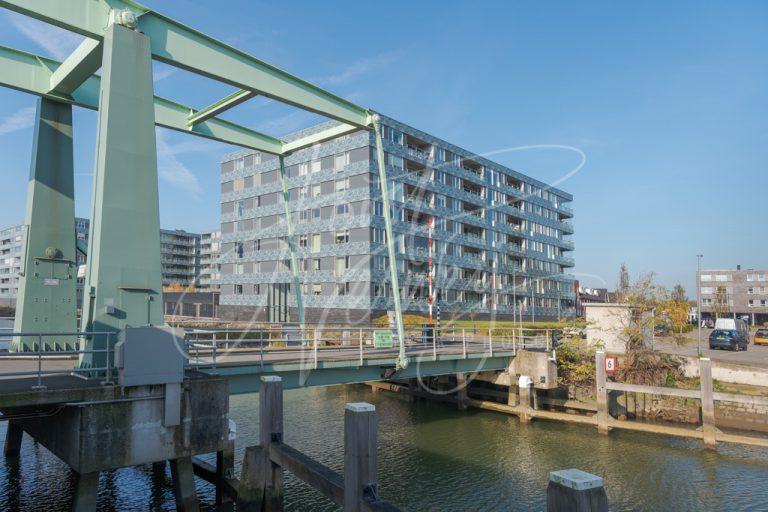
[(123, 284)]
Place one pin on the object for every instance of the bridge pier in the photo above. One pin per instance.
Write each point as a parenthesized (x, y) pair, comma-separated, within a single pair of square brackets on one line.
[(13, 437), (86, 492), (183, 477), (461, 391)]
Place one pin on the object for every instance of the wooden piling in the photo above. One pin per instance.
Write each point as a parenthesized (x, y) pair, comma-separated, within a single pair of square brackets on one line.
[(261, 481), (573, 490), (183, 477), (524, 385), (461, 391), (707, 402), (13, 437), (86, 492), (225, 463), (359, 455), (601, 393)]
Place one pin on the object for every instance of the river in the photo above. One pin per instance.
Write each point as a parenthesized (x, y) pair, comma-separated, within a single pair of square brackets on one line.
[(433, 457)]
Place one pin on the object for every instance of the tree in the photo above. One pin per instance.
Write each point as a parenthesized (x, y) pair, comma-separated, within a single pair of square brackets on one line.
[(624, 284), (720, 303), (678, 294)]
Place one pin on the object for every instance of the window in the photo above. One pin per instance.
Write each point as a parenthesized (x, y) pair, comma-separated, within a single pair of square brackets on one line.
[(315, 243), (239, 249), (342, 209), (303, 241), (303, 192), (314, 166), (379, 263), (342, 289), (342, 237), (317, 289), (379, 290), (316, 213), (340, 161), (707, 290), (238, 289), (342, 265), (342, 185), (240, 208), (721, 278), (378, 235), (257, 244), (316, 190), (256, 289), (304, 215), (239, 164), (316, 264)]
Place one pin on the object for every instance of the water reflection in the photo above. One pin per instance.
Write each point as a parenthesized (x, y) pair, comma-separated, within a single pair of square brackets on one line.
[(432, 457)]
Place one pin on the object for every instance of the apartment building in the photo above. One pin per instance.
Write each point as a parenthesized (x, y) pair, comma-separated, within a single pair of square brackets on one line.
[(735, 292), (501, 240), (210, 248), (11, 252), (180, 257)]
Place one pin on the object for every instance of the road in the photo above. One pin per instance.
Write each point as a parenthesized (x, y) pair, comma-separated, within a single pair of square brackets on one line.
[(755, 355)]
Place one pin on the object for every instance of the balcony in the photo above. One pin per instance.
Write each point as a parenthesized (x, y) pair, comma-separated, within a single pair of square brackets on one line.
[(472, 166), (416, 147)]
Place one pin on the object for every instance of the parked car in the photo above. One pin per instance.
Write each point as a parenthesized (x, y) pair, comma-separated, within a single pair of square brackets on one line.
[(761, 336), (731, 339)]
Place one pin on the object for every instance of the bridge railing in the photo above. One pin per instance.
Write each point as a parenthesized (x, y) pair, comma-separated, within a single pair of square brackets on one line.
[(39, 361), (207, 347)]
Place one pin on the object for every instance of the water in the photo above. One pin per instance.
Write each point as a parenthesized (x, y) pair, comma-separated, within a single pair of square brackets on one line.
[(433, 457)]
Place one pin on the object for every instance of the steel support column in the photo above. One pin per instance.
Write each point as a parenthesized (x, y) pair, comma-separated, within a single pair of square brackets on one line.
[(402, 361), (47, 299), (123, 284), (292, 247)]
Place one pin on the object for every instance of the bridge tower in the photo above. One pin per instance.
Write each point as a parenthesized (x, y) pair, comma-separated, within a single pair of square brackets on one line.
[(123, 285), (47, 287)]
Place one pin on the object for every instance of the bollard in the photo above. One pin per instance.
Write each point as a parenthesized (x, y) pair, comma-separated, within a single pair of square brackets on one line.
[(573, 490), (359, 455)]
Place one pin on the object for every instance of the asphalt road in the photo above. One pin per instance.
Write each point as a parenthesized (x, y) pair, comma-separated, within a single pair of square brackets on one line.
[(755, 355)]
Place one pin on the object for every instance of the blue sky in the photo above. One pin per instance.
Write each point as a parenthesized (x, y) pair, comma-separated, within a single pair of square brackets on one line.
[(667, 100)]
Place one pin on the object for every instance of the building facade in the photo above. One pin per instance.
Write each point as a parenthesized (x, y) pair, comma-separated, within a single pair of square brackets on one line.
[(735, 292), (210, 248), (180, 256), (501, 240)]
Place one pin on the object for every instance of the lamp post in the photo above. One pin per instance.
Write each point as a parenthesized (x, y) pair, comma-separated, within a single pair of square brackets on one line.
[(698, 300)]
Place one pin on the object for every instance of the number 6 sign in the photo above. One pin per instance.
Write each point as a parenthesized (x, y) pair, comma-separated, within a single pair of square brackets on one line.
[(610, 365)]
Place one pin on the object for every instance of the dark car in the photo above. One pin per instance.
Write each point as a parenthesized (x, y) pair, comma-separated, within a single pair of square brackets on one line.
[(731, 339)]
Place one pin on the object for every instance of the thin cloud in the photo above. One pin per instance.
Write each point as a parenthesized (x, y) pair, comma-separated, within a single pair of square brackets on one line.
[(161, 73), (171, 170), (59, 43), (20, 120), (359, 68), (287, 123)]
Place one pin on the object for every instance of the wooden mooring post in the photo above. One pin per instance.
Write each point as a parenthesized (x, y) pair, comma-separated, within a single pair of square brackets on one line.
[(261, 484), (573, 490), (707, 402), (601, 393)]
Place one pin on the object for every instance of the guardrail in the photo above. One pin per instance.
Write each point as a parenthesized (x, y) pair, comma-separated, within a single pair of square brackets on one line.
[(208, 349), (39, 355)]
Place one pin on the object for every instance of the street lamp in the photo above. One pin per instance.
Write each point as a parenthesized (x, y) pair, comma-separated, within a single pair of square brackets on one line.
[(698, 300)]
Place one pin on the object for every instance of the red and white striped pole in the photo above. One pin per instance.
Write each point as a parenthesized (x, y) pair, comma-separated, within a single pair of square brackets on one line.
[(430, 297)]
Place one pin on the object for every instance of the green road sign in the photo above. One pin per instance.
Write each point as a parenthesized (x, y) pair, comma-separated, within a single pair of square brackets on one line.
[(382, 339)]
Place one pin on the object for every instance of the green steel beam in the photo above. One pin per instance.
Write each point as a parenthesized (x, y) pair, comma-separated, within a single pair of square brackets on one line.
[(231, 100), (402, 361), (123, 283), (30, 73), (77, 68), (47, 287), (178, 45), (317, 138), (292, 248)]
